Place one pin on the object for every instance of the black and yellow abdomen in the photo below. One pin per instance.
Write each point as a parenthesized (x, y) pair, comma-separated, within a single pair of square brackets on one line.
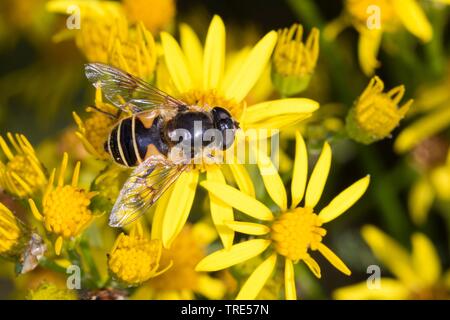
[(136, 138)]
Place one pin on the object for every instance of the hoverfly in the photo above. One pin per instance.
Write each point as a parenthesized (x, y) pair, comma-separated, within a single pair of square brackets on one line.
[(160, 139)]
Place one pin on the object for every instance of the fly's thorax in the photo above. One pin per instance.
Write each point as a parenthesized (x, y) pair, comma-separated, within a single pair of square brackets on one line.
[(196, 132), (187, 131)]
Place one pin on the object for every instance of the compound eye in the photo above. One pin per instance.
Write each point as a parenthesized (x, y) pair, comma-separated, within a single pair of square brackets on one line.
[(225, 124), (220, 114)]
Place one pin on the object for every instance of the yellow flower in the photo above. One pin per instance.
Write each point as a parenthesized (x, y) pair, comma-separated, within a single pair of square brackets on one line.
[(97, 20), (433, 184), (198, 75), (376, 114), (134, 51), (293, 61), (155, 14), (48, 291), (417, 275), (22, 175), (293, 233), (94, 131), (65, 208), (432, 107), (181, 281), (135, 258), (12, 233), (18, 243), (105, 34), (372, 18)]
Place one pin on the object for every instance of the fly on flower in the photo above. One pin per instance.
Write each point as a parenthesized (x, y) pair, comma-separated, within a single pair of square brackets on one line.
[(161, 138)]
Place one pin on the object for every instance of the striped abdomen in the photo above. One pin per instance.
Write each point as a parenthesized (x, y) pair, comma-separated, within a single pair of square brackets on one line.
[(136, 138)]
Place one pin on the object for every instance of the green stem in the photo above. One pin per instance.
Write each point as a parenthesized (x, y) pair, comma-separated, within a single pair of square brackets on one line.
[(51, 265), (434, 50), (86, 253)]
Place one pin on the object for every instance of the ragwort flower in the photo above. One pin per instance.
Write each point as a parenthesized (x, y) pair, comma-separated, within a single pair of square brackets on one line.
[(432, 184), (65, 207), (22, 174), (13, 235), (432, 115), (94, 131), (135, 258), (181, 281), (18, 243), (373, 18), (417, 275), (198, 76), (294, 61), (106, 35), (376, 114), (97, 19), (292, 234)]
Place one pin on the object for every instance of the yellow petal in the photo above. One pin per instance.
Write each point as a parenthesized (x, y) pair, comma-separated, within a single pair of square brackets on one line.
[(220, 211), (176, 63), (344, 200), (267, 126), (300, 174), (193, 51), (210, 287), (389, 290), (413, 18), (239, 200), (282, 107), (242, 178), (290, 290), (238, 253), (368, 47), (426, 260), (257, 279), (333, 28), (255, 229), (420, 200), (214, 58), (234, 61), (396, 259), (58, 245), (426, 127), (313, 266), (318, 177), (158, 216), (252, 68), (333, 259), (272, 180), (179, 205)]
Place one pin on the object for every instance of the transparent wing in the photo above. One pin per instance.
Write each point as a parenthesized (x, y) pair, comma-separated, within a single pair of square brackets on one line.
[(128, 92), (145, 185)]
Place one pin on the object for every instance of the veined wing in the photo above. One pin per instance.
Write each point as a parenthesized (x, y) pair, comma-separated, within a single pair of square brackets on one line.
[(128, 92), (145, 185)]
